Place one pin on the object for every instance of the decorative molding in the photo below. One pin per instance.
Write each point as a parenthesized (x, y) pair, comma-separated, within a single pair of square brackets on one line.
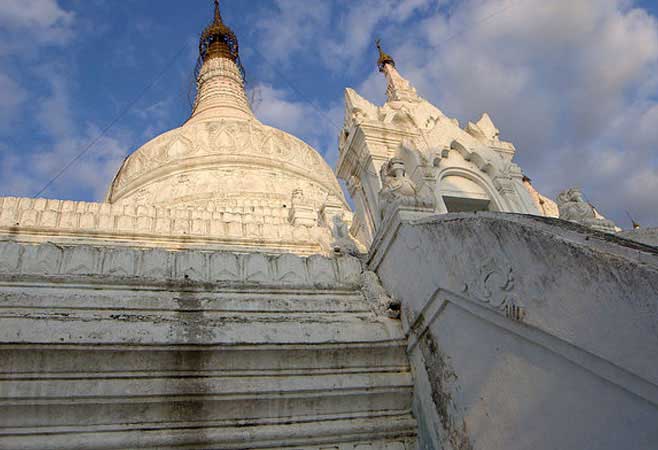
[(222, 141), (493, 284), (487, 133), (158, 265), (373, 136), (302, 212), (244, 227)]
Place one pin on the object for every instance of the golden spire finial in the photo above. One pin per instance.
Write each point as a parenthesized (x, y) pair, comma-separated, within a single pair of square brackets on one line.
[(636, 226), (218, 41), (384, 58), (218, 14)]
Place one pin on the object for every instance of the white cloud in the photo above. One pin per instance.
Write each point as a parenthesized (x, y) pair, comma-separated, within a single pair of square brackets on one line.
[(13, 97), (284, 31), (26, 171), (54, 111), (27, 25), (273, 107), (297, 28), (646, 128), (33, 13), (90, 175), (361, 23), (575, 59)]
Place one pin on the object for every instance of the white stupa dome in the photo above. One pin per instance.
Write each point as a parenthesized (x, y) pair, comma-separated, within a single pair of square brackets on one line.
[(223, 155)]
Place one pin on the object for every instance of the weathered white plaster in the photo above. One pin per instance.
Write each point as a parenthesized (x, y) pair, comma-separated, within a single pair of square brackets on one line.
[(546, 206), (525, 332), (218, 298), (222, 227), (210, 302), (648, 236), (130, 348), (224, 161), (465, 169)]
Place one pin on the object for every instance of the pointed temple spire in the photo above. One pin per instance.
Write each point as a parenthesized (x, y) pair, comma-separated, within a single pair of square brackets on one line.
[(218, 40), (398, 89), (219, 74), (218, 14)]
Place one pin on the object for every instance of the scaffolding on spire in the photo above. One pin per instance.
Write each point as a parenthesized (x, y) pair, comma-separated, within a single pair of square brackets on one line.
[(218, 41)]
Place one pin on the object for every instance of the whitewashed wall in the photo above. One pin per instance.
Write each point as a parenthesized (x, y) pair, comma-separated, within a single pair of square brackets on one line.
[(526, 332), (124, 348)]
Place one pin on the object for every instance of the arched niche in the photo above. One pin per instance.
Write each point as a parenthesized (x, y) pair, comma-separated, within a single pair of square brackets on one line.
[(462, 191)]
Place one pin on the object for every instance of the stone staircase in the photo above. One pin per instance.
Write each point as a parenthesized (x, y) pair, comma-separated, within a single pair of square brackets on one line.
[(214, 351)]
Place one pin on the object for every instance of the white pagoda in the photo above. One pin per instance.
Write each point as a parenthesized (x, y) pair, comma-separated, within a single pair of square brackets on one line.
[(224, 295)]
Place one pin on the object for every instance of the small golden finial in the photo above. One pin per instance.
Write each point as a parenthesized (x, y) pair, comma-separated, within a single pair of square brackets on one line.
[(218, 40), (218, 14), (384, 58), (636, 226)]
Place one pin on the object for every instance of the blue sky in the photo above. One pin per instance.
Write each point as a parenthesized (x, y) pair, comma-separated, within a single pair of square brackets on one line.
[(573, 84)]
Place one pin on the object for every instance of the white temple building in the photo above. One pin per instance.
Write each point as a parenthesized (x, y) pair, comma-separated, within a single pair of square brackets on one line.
[(225, 296)]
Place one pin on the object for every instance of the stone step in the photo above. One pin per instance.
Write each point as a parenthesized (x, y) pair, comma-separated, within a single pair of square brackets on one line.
[(148, 390), (287, 352), (238, 408), (69, 390), (379, 431), (64, 299), (80, 362), (109, 328), (98, 315)]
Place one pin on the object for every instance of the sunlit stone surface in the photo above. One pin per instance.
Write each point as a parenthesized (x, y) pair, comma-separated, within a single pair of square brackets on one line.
[(223, 296), (524, 331)]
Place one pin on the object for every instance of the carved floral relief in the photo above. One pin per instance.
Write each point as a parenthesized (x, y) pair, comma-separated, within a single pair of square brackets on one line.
[(494, 284)]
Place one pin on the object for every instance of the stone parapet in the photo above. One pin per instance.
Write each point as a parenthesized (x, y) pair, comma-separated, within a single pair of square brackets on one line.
[(551, 316), (239, 227), (648, 236), (147, 266)]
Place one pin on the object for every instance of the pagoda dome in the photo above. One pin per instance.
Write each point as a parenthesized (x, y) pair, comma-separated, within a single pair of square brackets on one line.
[(223, 158), (222, 155)]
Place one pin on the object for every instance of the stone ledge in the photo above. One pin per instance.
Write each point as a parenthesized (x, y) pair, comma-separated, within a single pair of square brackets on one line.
[(384, 432), (48, 361), (563, 230), (158, 265), (40, 219), (646, 236)]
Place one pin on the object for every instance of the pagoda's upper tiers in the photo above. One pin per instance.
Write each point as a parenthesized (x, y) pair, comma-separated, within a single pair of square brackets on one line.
[(221, 180), (223, 154)]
